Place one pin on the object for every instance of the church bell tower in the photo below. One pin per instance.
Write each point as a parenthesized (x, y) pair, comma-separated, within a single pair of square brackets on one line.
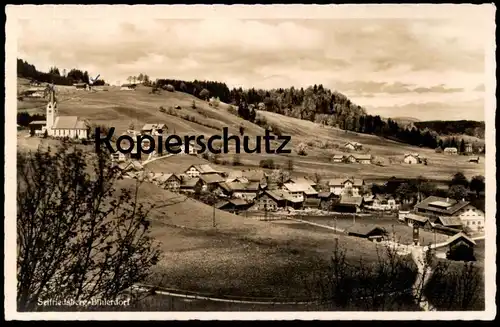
[(51, 109)]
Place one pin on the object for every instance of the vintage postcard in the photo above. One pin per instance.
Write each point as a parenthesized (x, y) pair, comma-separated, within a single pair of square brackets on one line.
[(250, 162)]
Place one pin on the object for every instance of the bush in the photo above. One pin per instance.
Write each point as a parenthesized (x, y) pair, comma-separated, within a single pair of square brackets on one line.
[(193, 105), (267, 163), (232, 110), (162, 109), (301, 149), (438, 150)]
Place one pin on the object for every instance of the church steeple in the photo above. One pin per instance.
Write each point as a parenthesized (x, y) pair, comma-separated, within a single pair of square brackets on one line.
[(51, 108)]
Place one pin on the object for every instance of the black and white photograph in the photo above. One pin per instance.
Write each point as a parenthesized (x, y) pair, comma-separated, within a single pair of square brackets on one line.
[(177, 162)]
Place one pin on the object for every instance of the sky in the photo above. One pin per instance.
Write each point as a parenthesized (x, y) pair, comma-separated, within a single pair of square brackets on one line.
[(397, 67)]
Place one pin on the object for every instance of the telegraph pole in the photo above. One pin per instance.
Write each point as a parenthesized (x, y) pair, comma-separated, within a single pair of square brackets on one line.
[(213, 217)]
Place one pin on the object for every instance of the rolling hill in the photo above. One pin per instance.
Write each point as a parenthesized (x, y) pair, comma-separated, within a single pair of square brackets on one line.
[(114, 108)]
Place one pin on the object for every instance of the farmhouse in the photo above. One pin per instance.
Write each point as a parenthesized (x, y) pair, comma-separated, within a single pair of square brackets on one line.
[(474, 160), (170, 182), (364, 159), (326, 200), (417, 220), (470, 216), (153, 129), (210, 181), (193, 148), (450, 222), (468, 148), (381, 202), (245, 176), (352, 146), (340, 186), (338, 158), (348, 203), (37, 127), (373, 233), (461, 247), (197, 170), (234, 205), (191, 185), (130, 169), (300, 190), (269, 200), (239, 190), (128, 87), (450, 150), (411, 159), (312, 203)]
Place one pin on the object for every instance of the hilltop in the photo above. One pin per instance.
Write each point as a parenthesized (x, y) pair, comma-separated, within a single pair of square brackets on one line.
[(115, 108)]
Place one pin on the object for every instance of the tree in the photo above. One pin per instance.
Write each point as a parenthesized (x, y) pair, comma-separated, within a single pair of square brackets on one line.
[(459, 179), (242, 130), (301, 149), (146, 81), (457, 192), (140, 78), (404, 191), (204, 94), (77, 237), (477, 184), (462, 146), (129, 79), (290, 165), (215, 102), (193, 105), (280, 176)]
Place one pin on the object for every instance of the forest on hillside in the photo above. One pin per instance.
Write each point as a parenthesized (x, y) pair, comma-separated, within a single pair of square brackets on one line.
[(29, 71), (445, 127), (321, 105)]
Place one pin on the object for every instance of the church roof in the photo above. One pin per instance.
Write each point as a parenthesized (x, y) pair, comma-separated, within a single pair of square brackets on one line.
[(68, 122)]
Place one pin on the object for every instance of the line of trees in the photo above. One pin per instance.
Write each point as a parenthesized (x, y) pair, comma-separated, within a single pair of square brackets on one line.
[(27, 70), (315, 103)]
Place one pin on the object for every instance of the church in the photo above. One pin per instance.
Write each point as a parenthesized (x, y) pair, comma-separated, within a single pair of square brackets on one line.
[(63, 126)]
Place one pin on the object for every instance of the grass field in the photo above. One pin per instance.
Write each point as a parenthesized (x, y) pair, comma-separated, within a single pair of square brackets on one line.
[(398, 231), (121, 108)]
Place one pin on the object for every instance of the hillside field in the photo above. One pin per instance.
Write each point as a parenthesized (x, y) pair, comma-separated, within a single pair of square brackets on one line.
[(114, 108)]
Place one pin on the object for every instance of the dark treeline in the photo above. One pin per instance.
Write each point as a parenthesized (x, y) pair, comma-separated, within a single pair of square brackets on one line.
[(26, 70), (200, 89), (315, 103), (444, 127)]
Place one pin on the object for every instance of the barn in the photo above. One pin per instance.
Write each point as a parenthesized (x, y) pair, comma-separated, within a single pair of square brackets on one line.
[(371, 232)]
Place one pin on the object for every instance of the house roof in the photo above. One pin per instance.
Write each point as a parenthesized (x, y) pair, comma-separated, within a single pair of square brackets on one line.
[(364, 229), (165, 177), (352, 143), (68, 122), (441, 205), (203, 169), (253, 175), (148, 127), (130, 165), (474, 159), (458, 236), (300, 187), (450, 221), (211, 178), (411, 155), (312, 202), (354, 200), (189, 182), (235, 202), (274, 194), (338, 156), (302, 180), (38, 122), (341, 181), (415, 217), (450, 149), (324, 195), (363, 156)]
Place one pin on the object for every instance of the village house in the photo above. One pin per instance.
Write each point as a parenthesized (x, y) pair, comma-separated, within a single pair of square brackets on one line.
[(364, 159), (411, 159), (340, 186), (449, 222), (468, 148), (130, 169), (417, 220), (210, 182), (269, 201), (300, 191), (170, 182), (245, 176), (471, 217), (234, 205), (191, 185), (450, 150), (312, 203), (118, 157), (348, 204), (128, 87), (474, 160), (338, 158), (370, 232), (353, 146), (380, 202), (460, 240), (37, 127), (154, 129), (327, 199), (239, 190), (197, 170)]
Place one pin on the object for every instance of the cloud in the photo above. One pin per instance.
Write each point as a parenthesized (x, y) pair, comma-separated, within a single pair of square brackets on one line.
[(473, 110), (371, 59)]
